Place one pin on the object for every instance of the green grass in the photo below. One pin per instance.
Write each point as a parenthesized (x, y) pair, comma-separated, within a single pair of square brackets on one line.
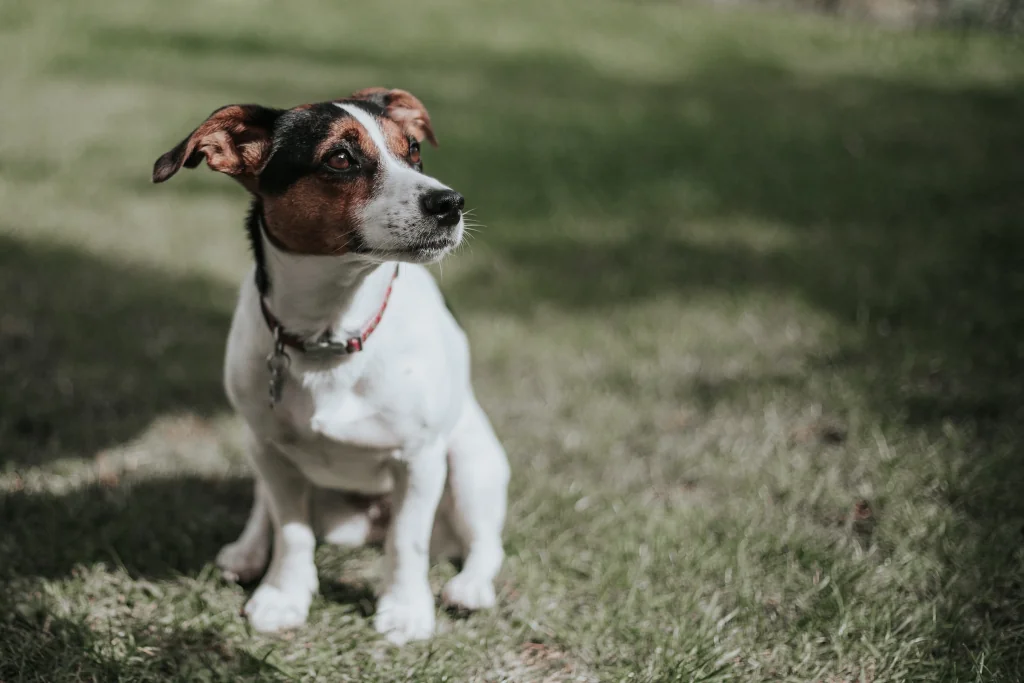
[(748, 314)]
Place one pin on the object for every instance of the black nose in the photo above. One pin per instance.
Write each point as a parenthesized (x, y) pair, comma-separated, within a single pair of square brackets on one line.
[(444, 204)]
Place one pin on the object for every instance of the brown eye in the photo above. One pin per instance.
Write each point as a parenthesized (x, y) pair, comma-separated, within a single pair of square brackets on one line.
[(414, 152), (340, 161)]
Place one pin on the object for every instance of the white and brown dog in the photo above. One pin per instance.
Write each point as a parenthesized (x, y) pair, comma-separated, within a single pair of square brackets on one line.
[(372, 406)]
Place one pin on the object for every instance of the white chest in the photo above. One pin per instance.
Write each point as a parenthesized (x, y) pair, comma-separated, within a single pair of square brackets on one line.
[(344, 425), (339, 437)]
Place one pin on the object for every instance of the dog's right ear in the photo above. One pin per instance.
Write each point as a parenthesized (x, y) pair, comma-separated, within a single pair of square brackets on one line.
[(402, 107), (234, 140)]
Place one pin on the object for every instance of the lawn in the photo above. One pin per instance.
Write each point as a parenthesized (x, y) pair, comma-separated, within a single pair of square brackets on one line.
[(747, 312)]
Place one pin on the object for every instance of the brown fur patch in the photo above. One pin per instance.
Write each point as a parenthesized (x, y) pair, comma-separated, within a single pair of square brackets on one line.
[(347, 129), (234, 140), (395, 138), (317, 214)]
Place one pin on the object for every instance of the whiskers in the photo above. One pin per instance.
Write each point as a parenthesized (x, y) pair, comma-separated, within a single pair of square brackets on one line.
[(471, 223), (344, 245)]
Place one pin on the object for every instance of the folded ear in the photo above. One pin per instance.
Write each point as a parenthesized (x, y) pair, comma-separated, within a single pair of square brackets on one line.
[(404, 109), (234, 140)]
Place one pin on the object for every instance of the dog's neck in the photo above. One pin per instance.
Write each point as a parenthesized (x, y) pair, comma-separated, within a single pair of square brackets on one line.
[(311, 295)]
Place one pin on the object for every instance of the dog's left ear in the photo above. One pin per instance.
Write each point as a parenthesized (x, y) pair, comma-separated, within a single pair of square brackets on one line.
[(234, 140), (403, 108)]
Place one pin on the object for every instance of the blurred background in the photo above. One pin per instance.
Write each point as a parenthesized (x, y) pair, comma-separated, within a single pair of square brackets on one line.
[(747, 310)]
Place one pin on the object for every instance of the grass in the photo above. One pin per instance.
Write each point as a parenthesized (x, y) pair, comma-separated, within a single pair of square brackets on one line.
[(748, 314)]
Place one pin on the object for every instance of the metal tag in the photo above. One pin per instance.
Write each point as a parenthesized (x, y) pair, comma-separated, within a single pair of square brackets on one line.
[(277, 363)]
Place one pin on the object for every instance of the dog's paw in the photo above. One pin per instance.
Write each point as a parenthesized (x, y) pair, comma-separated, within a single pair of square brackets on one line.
[(271, 609), (469, 592), (242, 562), (406, 617)]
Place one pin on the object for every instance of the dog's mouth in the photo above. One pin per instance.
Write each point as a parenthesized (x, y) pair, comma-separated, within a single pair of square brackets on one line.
[(428, 248), (443, 243), (425, 252)]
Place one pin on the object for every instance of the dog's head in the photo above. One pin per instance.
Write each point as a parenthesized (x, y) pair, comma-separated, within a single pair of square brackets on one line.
[(334, 177)]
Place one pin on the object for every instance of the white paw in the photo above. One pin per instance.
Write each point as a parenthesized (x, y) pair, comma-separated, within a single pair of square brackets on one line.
[(242, 562), (405, 617), (271, 609), (469, 592)]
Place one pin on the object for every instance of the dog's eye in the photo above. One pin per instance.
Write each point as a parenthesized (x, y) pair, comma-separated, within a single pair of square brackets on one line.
[(340, 161), (414, 152)]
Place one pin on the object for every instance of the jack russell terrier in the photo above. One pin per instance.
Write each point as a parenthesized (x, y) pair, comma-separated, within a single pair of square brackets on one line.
[(351, 373)]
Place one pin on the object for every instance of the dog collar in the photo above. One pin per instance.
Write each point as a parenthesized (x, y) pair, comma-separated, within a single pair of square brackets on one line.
[(325, 345), (322, 348)]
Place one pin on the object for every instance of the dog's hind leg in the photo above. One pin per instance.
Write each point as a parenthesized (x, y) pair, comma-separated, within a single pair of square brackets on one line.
[(245, 559), (478, 475), (445, 543), (351, 520)]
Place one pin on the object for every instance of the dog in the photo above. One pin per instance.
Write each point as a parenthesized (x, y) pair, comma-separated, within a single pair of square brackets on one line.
[(345, 362)]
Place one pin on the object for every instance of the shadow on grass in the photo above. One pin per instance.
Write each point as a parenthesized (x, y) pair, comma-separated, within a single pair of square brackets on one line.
[(358, 595), (41, 647), (153, 528), (91, 351)]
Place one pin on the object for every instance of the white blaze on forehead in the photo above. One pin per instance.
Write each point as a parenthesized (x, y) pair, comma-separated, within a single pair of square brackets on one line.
[(372, 127), (393, 217)]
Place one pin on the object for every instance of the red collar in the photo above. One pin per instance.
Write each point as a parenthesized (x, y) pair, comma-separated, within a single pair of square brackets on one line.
[(324, 346)]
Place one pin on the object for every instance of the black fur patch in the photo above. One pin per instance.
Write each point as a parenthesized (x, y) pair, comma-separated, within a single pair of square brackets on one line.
[(296, 137), (254, 230)]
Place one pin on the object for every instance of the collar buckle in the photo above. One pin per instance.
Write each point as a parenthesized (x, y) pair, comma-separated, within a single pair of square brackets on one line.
[(325, 349)]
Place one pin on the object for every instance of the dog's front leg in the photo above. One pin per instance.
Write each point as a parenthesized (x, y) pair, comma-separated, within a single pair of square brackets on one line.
[(245, 559), (405, 610), (283, 598)]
